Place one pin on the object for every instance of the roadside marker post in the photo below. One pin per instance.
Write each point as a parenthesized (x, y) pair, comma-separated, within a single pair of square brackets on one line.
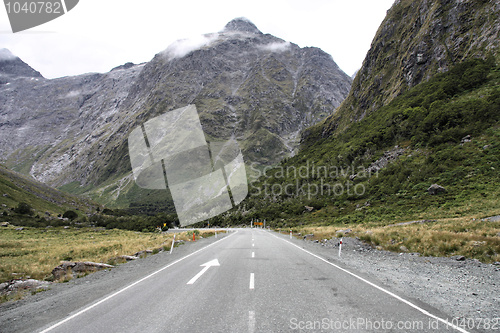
[(193, 237), (173, 243), (340, 246), (290, 233)]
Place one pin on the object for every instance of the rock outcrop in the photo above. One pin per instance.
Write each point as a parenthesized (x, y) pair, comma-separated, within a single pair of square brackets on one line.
[(12, 67), (416, 40), (72, 269)]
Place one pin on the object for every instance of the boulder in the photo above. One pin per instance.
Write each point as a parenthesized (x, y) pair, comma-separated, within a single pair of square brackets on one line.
[(143, 253), (23, 284), (436, 189), (79, 268), (493, 218), (128, 258)]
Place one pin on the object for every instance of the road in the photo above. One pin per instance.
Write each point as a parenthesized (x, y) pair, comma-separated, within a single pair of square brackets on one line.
[(252, 281)]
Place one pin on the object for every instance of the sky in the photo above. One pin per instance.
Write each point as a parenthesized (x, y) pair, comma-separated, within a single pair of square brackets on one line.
[(98, 35)]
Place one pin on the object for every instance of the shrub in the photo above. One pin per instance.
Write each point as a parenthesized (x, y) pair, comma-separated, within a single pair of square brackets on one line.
[(69, 214), (24, 209)]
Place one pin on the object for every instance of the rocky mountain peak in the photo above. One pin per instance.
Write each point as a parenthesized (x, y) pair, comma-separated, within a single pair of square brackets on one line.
[(246, 85), (6, 55), (242, 24), (12, 67)]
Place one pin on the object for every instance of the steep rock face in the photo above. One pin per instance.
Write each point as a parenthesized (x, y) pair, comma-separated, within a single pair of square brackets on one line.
[(253, 86), (12, 67), (46, 125), (416, 40), (241, 24)]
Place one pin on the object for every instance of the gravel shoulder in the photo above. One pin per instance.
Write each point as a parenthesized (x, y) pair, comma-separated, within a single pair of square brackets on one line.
[(464, 289)]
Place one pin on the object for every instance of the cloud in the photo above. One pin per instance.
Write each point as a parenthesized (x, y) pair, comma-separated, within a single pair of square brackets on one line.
[(276, 47), (6, 55), (182, 47)]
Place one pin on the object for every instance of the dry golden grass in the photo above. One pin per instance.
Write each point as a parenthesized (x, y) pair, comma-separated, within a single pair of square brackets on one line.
[(35, 252), (471, 237)]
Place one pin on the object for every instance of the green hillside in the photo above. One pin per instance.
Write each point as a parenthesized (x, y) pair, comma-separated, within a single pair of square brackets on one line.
[(417, 40), (445, 131), (430, 124), (24, 201), (416, 140)]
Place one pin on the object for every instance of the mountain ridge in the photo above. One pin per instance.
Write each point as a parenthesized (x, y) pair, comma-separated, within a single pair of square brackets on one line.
[(436, 35), (392, 138), (12, 67), (257, 87)]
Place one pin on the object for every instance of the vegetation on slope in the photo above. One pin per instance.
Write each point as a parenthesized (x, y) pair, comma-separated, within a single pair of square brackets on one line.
[(416, 40), (446, 132), (17, 190)]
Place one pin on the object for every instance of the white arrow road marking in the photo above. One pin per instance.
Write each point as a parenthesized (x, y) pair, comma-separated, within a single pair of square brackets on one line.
[(206, 265), (132, 285)]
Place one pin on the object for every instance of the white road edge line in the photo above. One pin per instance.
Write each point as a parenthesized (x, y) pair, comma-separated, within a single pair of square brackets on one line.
[(416, 307), (252, 281), (130, 286)]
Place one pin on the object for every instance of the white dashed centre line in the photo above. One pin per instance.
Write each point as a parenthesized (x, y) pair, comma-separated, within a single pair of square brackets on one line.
[(251, 321), (252, 281)]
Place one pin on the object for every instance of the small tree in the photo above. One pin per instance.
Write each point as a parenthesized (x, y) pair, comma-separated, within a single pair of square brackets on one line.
[(69, 214), (24, 209)]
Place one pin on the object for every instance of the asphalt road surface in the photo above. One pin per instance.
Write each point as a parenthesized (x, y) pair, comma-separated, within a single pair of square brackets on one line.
[(252, 281)]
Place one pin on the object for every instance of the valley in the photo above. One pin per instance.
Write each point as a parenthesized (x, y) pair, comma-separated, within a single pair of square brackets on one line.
[(399, 164)]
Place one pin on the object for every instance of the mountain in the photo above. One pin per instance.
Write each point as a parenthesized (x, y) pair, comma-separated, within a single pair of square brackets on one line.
[(12, 67), (72, 132), (423, 110), (417, 40)]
